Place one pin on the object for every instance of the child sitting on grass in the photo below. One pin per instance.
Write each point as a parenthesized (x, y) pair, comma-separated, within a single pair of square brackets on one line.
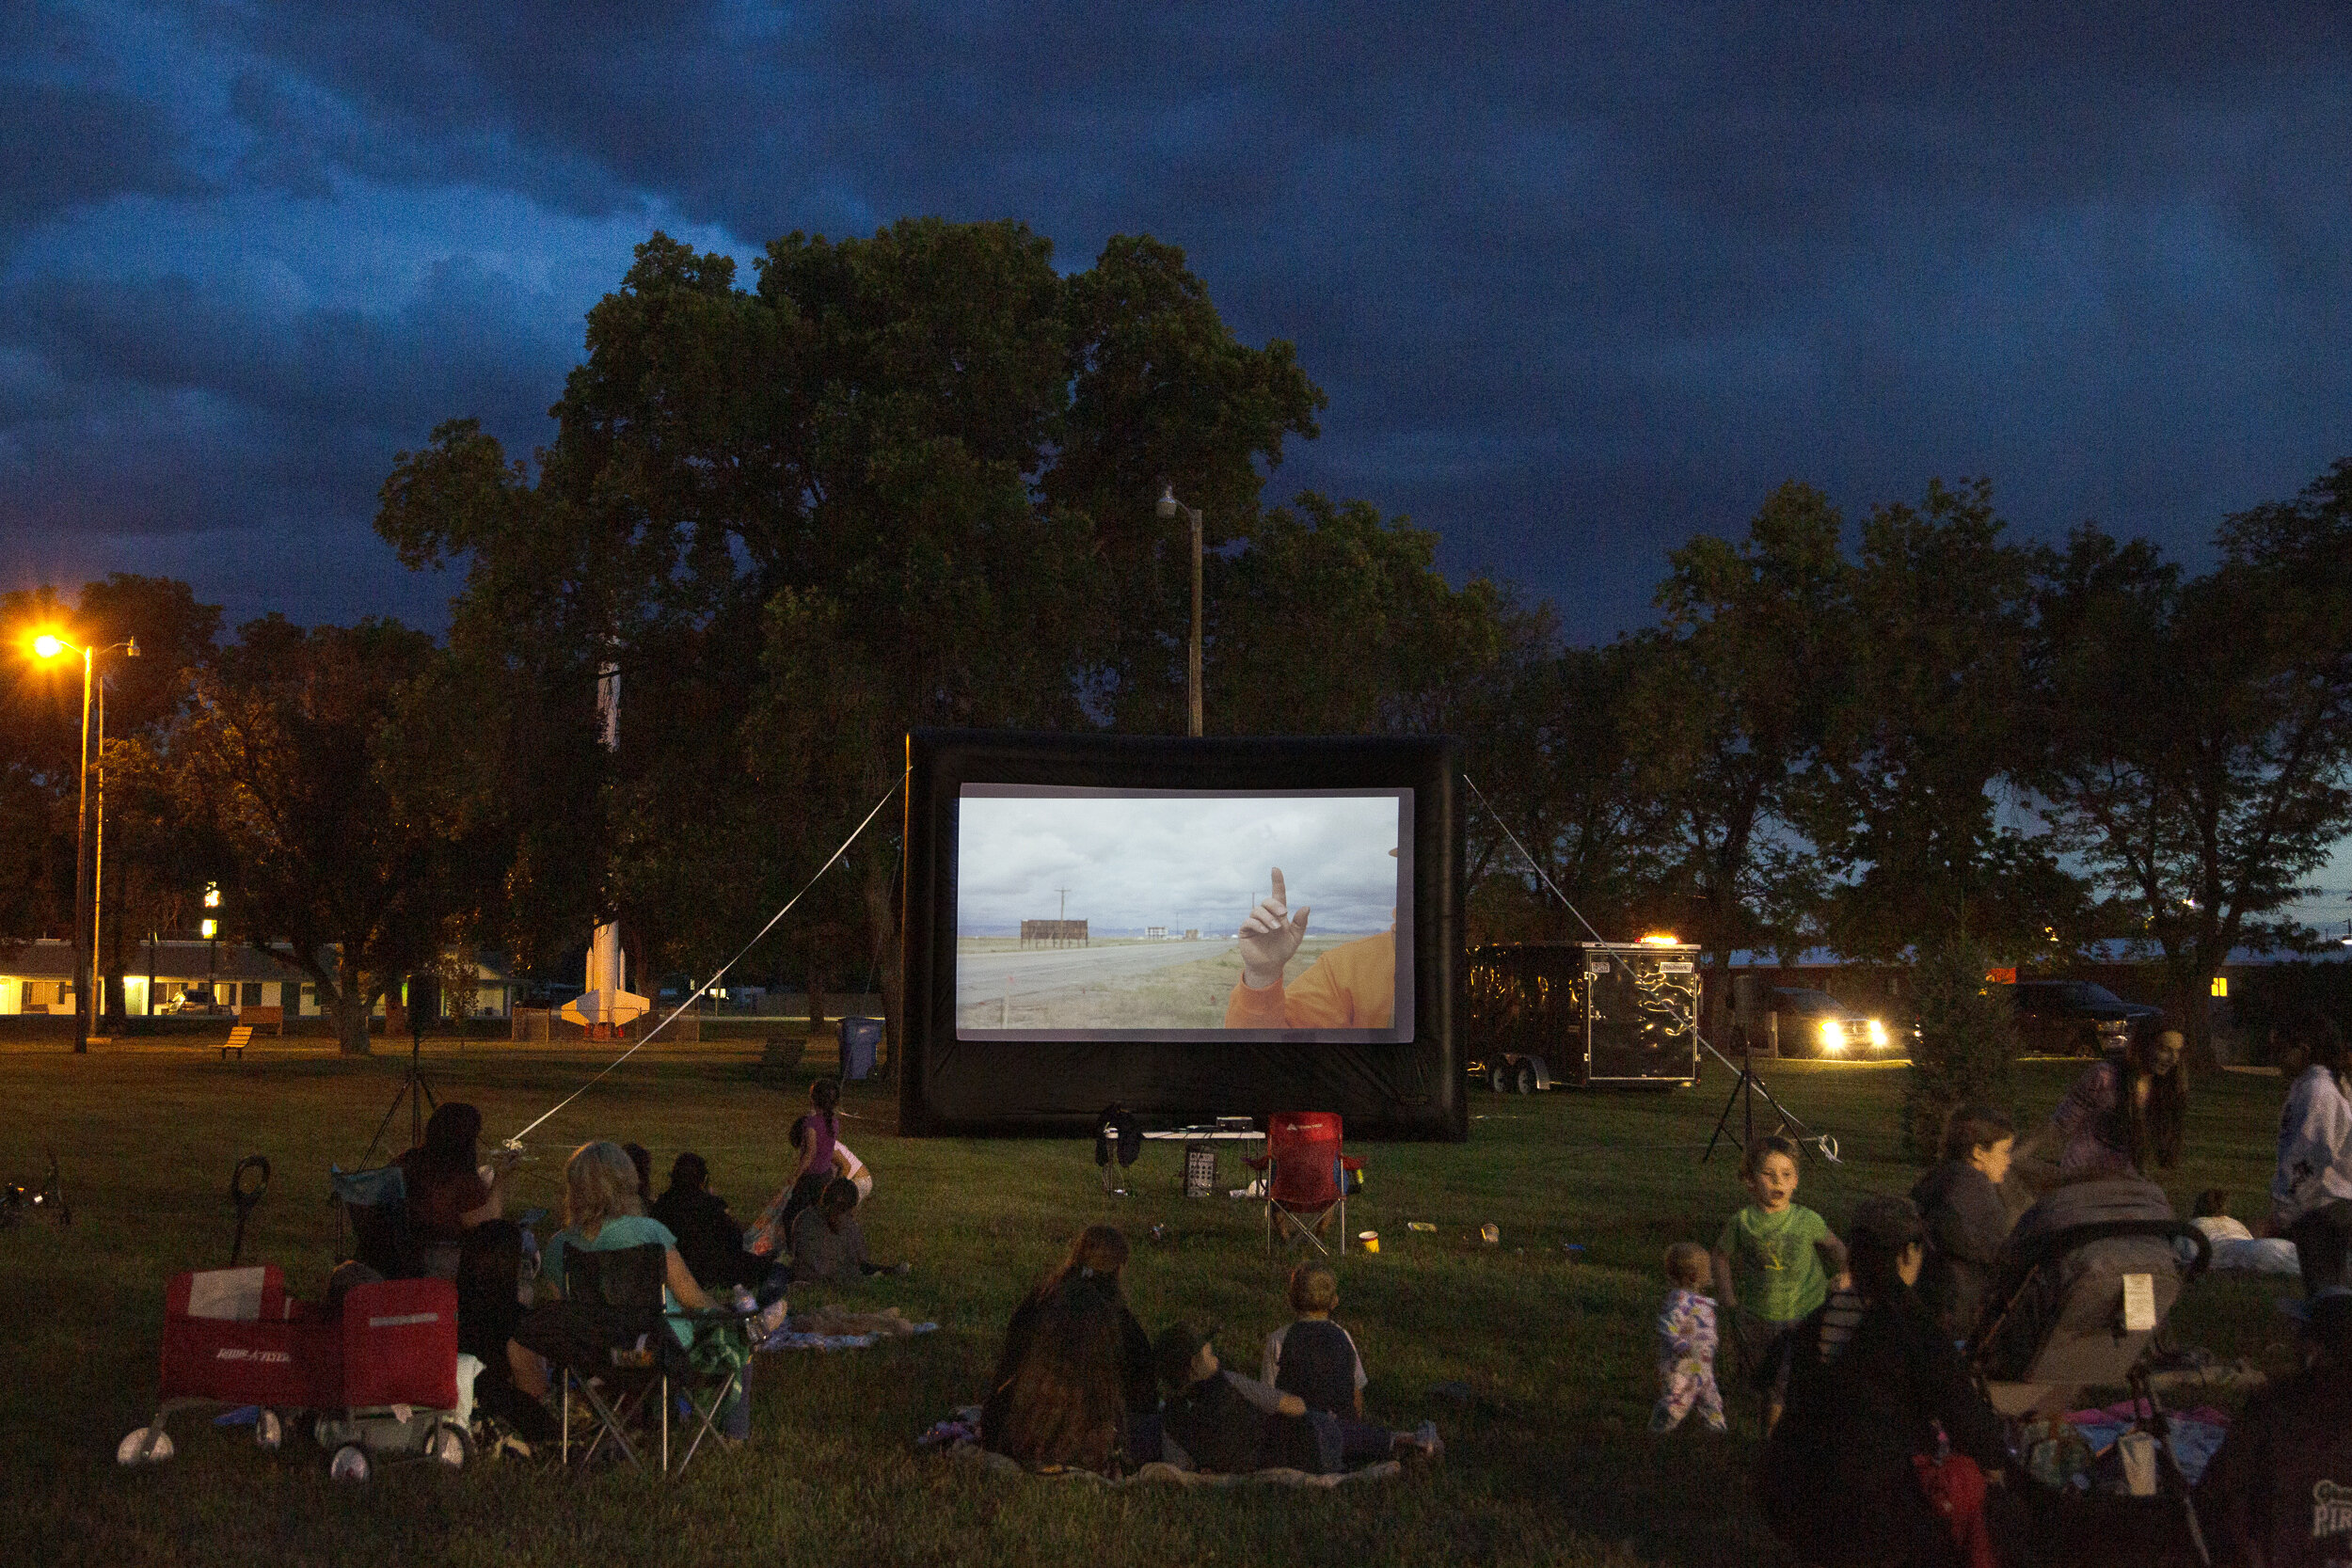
[(1316, 1359), (1686, 1344), (1220, 1420), (1774, 1260)]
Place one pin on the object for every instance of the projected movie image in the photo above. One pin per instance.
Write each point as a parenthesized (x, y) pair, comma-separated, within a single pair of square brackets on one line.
[(1184, 915)]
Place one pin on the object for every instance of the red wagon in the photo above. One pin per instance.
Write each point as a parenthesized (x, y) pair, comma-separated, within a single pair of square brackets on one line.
[(380, 1373)]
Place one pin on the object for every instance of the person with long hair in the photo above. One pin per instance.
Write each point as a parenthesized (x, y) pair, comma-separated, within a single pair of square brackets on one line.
[(450, 1189), (2127, 1112), (601, 1213), (2310, 1195), (1849, 1474), (1076, 1384)]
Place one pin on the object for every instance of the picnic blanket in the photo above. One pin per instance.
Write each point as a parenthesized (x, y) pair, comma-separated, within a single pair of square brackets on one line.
[(960, 1433), (2197, 1434), (838, 1328), (1160, 1473)]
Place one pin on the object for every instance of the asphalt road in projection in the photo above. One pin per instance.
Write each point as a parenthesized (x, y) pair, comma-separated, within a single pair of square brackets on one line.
[(1041, 970)]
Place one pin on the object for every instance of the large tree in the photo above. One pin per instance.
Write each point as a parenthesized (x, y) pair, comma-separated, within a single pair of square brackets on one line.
[(905, 479), (1734, 696), (321, 774), (2197, 752), (1927, 725)]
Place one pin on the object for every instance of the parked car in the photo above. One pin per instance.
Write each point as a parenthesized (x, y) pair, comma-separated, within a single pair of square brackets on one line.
[(2073, 1018), (194, 1003), (1809, 1022)]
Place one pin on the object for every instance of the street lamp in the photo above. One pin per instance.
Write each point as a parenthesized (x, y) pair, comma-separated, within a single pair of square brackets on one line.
[(50, 645), (1168, 508)]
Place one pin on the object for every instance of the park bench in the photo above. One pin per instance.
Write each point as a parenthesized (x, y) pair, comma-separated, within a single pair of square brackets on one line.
[(239, 1037)]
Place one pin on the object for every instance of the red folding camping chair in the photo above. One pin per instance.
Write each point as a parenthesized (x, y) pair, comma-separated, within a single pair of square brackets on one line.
[(1306, 1176)]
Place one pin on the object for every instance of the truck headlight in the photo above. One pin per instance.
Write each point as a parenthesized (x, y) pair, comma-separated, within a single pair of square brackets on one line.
[(1877, 1034), (1833, 1034)]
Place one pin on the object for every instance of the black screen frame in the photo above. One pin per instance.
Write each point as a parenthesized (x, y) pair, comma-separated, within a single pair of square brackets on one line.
[(994, 1087)]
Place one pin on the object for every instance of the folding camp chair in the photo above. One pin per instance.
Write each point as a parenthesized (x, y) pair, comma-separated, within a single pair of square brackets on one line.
[(618, 1296), (1306, 1176), (374, 1204)]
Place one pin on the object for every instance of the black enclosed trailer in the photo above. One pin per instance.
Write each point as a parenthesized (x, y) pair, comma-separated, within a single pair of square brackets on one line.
[(1584, 1013)]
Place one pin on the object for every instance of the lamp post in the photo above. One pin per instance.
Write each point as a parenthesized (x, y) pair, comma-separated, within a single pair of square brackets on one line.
[(50, 645), (1170, 507)]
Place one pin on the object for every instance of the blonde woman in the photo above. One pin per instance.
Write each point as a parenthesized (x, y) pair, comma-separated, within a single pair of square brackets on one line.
[(601, 1213)]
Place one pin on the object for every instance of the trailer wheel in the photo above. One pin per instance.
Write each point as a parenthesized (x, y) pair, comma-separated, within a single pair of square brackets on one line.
[(1523, 1081), (1494, 1076), (350, 1463)]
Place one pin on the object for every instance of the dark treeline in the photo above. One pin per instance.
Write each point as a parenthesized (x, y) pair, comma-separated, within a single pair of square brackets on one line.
[(909, 481)]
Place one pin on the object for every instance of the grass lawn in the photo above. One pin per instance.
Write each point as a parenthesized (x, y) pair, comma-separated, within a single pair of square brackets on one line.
[(1552, 1465)]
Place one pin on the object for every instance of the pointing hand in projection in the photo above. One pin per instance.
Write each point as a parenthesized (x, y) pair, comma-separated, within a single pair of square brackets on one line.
[(1269, 935)]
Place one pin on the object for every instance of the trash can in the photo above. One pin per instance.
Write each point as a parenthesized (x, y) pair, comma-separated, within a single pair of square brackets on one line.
[(860, 1038)]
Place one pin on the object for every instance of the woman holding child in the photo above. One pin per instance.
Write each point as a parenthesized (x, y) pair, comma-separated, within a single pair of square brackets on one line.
[(1870, 1380)]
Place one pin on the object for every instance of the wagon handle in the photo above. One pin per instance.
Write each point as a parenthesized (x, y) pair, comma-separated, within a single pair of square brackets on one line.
[(245, 1198)]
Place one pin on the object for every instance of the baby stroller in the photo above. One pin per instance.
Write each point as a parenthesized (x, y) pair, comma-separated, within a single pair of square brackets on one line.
[(2085, 1281), (379, 1369)]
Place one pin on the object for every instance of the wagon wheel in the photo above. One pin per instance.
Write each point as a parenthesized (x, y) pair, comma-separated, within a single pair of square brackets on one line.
[(450, 1443), (146, 1445), (269, 1429), (350, 1463)]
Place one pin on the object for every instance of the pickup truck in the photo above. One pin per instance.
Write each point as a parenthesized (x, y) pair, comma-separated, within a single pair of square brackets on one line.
[(2073, 1018)]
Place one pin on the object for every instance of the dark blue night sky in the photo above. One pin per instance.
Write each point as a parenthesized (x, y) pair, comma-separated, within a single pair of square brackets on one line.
[(1580, 280)]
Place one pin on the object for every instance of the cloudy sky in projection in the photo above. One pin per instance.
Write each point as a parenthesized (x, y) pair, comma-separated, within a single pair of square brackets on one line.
[(1133, 862)]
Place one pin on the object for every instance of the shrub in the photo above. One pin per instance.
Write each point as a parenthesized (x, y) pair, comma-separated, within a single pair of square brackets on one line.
[(1967, 1039)]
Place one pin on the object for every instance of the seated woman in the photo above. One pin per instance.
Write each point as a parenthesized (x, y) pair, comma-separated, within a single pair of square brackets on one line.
[(601, 1213), (829, 1245), (450, 1189), (1872, 1377), (708, 1238), (1075, 1383)]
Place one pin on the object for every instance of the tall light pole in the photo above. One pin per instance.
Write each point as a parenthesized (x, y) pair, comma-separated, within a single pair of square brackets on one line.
[(50, 645), (1170, 507)]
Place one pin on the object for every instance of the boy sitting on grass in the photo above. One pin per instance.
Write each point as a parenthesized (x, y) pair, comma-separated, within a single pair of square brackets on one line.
[(1317, 1360), (1774, 1260)]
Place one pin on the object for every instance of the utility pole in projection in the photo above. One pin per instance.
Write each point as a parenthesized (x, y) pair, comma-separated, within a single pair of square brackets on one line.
[(1065, 901)]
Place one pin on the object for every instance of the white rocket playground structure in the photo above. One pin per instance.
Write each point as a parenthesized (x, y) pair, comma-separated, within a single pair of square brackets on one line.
[(607, 1004)]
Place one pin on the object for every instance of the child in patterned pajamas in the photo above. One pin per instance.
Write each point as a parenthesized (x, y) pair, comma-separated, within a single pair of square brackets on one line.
[(1686, 1344)]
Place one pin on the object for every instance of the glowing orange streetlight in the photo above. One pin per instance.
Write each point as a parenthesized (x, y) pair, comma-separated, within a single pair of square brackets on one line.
[(49, 645)]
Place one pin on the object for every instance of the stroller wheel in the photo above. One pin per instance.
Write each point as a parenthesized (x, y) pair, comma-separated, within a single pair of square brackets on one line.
[(269, 1430), (450, 1443), (146, 1445), (350, 1463)]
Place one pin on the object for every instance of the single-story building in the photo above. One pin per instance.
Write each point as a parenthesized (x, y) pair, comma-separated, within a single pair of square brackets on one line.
[(38, 977)]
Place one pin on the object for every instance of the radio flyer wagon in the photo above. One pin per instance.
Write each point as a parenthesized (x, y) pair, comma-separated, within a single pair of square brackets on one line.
[(379, 1372)]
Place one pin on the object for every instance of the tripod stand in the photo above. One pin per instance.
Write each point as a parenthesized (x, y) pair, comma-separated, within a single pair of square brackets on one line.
[(1743, 1090), (414, 1092)]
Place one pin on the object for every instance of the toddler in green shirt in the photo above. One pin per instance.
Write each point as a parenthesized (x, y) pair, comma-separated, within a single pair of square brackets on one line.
[(1775, 1259)]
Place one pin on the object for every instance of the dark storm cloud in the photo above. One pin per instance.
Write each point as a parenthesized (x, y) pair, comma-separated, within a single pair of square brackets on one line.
[(1580, 280)]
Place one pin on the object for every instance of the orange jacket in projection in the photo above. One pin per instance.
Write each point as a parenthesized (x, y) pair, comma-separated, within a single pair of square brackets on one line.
[(1351, 986)]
